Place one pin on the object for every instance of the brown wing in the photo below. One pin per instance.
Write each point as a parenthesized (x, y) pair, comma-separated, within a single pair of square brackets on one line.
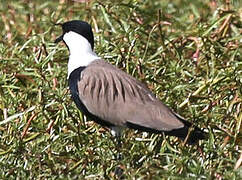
[(117, 97)]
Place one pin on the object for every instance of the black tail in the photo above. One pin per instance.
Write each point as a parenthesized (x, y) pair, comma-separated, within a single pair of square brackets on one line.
[(193, 137)]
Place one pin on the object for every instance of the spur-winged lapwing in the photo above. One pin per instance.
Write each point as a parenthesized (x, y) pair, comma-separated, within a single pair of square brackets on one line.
[(112, 97)]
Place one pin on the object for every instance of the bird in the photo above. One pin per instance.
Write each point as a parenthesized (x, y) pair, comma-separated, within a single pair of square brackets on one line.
[(113, 98)]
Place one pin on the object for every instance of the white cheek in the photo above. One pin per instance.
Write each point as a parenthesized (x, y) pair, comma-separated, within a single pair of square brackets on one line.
[(71, 39), (81, 53)]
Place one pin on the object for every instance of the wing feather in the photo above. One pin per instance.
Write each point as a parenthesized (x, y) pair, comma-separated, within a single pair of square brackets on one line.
[(118, 98), (113, 90)]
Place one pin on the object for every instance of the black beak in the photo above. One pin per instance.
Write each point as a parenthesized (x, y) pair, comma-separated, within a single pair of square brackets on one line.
[(59, 39)]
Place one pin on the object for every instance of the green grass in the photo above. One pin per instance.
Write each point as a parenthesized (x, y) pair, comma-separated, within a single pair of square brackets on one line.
[(187, 52)]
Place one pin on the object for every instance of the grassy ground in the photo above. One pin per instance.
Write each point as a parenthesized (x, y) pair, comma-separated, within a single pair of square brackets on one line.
[(187, 52)]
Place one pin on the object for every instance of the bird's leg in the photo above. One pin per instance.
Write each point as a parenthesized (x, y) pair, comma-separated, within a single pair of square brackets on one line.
[(119, 147), (116, 132)]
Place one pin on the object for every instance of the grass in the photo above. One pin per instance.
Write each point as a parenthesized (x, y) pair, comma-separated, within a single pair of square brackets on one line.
[(187, 52)]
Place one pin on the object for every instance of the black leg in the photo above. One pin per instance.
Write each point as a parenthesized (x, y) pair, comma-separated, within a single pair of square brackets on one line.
[(118, 171)]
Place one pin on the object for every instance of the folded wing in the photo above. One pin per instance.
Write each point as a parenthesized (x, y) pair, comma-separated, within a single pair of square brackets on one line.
[(116, 97)]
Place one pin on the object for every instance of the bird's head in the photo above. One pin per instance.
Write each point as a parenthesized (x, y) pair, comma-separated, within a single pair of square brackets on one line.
[(72, 30)]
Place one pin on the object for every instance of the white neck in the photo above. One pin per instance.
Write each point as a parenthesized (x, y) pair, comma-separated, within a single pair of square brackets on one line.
[(81, 53)]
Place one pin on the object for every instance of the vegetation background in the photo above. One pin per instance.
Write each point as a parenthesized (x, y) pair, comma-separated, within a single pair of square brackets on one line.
[(187, 52)]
